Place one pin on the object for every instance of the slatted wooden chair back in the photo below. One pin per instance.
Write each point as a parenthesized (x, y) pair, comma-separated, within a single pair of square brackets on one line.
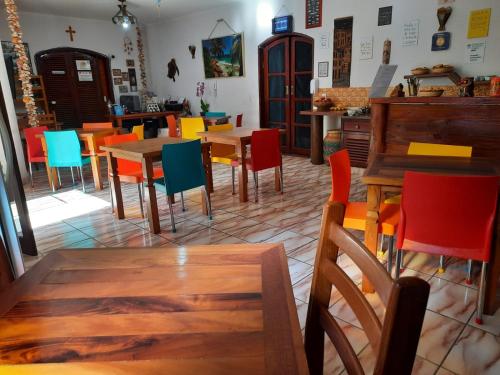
[(394, 340)]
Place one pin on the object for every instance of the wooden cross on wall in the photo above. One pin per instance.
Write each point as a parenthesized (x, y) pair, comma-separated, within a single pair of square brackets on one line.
[(70, 31)]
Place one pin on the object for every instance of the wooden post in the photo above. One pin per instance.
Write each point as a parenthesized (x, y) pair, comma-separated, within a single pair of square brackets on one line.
[(379, 122), (317, 140), (374, 196)]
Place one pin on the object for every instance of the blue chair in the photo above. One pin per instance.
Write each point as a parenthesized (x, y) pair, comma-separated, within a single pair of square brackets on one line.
[(215, 114), (63, 148), (182, 170)]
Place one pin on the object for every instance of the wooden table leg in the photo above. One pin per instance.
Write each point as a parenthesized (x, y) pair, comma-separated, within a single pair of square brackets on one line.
[(115, 186), (493, 274), (372, 221), (150, 196), (51, 172), (317, 140), (243, 173), (95, 162), (277, 181), (207, 164)]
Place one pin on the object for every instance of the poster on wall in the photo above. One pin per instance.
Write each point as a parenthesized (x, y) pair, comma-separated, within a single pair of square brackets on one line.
[(83, 65), (410, 33), (223, 56), (475, 52), (479, 23), (385, 16), (323, 69), (324, 41), (85, 76), (132, 79), (366, 48), (314, 13)]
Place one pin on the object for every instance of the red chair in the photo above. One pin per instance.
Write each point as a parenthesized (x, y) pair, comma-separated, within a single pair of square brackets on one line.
[(355, 212), (99, 141), (34, 148), (172, 126), (265, 154), (130, 171), (239, 120), (451, 216)]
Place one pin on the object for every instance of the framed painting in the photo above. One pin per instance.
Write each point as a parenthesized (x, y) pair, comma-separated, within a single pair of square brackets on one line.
[(117, 72), (223, 56)]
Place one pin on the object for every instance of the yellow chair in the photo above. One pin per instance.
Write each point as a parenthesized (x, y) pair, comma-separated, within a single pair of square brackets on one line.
[(190, 126), (221, 153), (139, 131), (434, 149)]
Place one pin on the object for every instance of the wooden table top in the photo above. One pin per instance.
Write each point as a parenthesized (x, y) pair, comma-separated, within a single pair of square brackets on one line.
[(235, 134), (139, 150), (388, 170), (225, 309)]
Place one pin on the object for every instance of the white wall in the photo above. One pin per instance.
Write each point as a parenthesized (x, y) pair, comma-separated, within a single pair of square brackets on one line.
[(170, 39), (42, 31)]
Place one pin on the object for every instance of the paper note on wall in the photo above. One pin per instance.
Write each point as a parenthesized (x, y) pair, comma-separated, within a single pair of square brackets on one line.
[(366, 48), (410, 33), (479, 23), (475, 52)]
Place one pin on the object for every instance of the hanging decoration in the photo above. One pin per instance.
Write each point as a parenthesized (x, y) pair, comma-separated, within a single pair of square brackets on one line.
[(128, 48), (142, 65), (172, 69), (22, 62)]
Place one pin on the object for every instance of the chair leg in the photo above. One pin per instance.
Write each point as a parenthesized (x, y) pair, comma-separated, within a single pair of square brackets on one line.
[(402, 265), (256, 183), (112, 200), (31, 175), (398, 262), (83, 181), (141, 205), (389, 254), (441, 264), (480, 297), (468, 280), (281, 180), (232, 177), (171, 215), (72, 176), (380, 246), (52, 181), (182, 202), (59, 177), (209, 203)]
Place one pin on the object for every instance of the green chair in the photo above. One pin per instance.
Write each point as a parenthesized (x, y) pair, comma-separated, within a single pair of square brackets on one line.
[(182, 170), (215, 114), (63, 148)]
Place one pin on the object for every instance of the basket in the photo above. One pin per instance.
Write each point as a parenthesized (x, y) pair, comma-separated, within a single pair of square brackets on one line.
[(419, 71), (433, 93)]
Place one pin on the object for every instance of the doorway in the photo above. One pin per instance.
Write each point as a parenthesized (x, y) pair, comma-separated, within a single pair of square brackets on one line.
[(78, 84), (285, 71)]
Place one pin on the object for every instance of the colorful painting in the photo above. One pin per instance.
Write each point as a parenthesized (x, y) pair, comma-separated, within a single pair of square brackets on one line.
[(223, 57)]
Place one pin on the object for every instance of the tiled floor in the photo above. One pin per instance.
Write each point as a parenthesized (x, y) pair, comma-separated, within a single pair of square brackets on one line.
[(451, 343)]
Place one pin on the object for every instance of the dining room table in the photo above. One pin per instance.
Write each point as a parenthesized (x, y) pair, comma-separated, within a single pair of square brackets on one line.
[(218, 309), (385, 174), (90, 138), (240, 138), (147, 152)]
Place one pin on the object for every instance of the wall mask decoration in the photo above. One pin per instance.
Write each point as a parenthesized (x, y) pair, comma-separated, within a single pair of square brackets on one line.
[(386, 54), (441, 40), (192, 49), (172, 68), (223, 57)]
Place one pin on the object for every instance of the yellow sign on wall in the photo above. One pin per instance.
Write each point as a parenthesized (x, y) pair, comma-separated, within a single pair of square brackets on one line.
[(479, 23)]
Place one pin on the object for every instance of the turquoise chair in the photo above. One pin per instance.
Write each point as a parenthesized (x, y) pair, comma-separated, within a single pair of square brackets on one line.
[(215, 114), (64, 151), (182, 170)]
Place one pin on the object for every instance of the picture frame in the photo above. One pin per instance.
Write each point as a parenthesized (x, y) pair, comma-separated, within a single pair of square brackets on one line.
[(83, 65), (117, 72), (123, 89), (314, 13), (323, 69), (125, 76), (223, 56), (132, 79), (130, 63), (117, 81)]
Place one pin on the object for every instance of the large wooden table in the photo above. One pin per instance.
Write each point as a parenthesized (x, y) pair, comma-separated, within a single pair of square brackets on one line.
[(118, 119), (89, 136), (240, 138), (225, 309), (147, 152), (386, 172), (317, 132)]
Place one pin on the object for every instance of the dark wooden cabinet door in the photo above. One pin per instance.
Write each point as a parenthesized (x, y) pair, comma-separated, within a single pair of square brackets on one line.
[(301, 73), (277, 88), (76, 95)]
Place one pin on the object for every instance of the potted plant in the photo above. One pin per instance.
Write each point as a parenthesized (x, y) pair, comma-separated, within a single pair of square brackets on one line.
[(205, 107)]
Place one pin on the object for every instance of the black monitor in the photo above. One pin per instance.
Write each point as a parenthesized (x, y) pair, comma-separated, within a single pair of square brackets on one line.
[(132, 102)]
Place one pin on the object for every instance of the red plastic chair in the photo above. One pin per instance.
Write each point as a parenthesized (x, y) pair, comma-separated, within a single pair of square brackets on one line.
[(172, 126), (355, 212), (451, 216), (265, 154), (130, 171), (34, 148), (99, 141), (239, 120)]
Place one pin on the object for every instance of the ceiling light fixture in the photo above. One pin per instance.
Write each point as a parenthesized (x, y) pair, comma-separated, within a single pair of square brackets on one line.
[(124, 17)]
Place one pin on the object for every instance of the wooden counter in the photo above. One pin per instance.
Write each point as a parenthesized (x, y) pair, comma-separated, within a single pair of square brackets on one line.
[(118, 119)]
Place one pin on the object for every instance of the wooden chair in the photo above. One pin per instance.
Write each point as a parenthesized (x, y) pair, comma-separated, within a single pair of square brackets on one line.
[(394, 340), (48, 120)]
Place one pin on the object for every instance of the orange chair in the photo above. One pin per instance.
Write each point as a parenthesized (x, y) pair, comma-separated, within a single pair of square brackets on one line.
[(172, 126), (99, 141), (130, 171), (355, 212)]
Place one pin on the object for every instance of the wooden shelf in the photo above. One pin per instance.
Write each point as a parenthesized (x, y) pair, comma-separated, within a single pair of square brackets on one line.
[(452, 76), (451, 100)]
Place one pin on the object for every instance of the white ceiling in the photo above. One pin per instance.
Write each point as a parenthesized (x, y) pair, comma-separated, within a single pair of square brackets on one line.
[(145, 10)]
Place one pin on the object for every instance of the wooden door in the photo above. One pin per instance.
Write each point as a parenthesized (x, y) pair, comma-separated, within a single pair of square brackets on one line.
[(78, 93), (285, 71), (277, 88), (301, 73)]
